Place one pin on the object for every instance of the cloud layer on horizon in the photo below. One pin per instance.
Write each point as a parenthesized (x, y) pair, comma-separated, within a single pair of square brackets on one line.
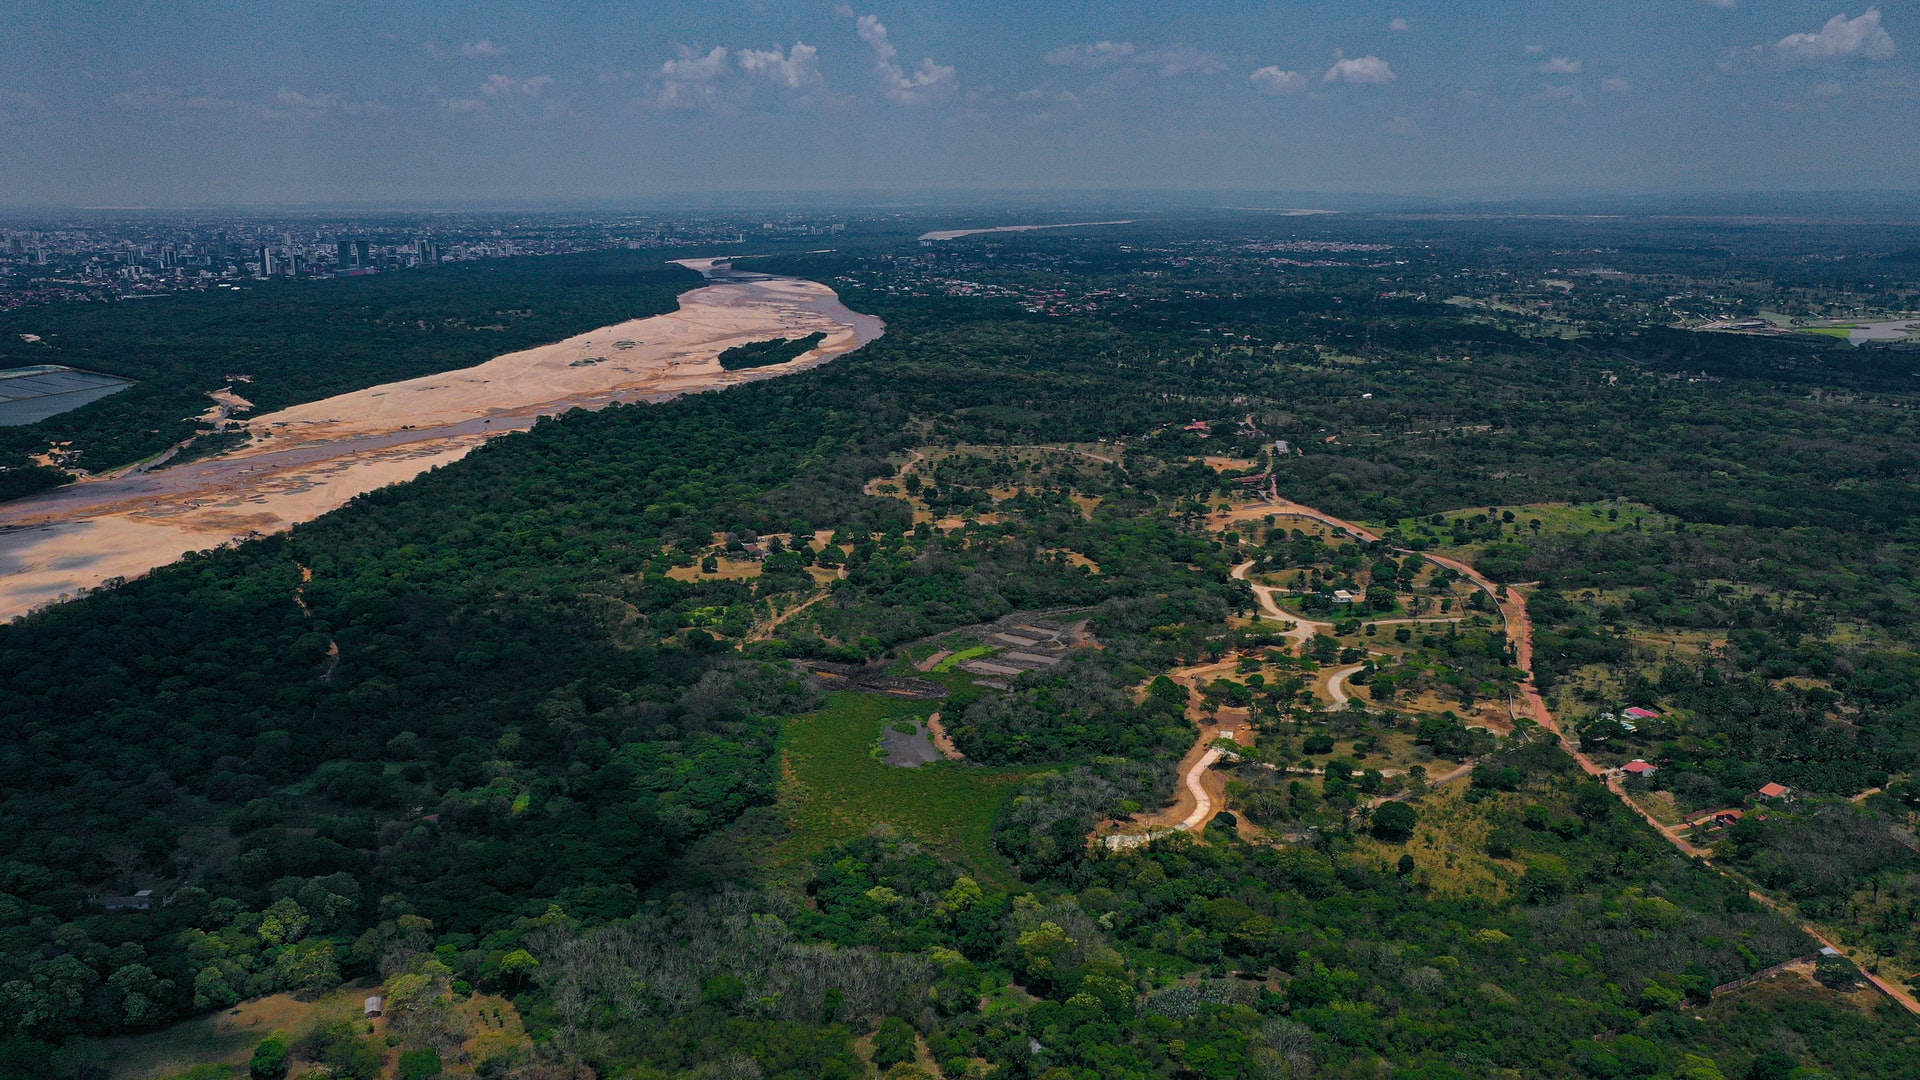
[(692, 93), (1360, 69)]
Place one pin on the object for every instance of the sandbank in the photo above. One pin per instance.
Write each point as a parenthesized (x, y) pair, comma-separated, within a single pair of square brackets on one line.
[(306, 460)]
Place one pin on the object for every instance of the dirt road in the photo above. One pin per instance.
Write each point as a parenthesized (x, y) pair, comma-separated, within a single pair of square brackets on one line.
[(1513, 609), (1199, 792), (1337, 683), (1512, 606), (1303, 628)]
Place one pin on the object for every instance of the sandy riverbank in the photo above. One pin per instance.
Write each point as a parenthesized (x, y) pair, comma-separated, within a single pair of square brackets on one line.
[(311, 458), (955, 234)]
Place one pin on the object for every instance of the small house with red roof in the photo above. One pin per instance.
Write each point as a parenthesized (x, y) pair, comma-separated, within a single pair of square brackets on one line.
[(1636, 767), (1725, 818), (1774, 791), (1638, 713)]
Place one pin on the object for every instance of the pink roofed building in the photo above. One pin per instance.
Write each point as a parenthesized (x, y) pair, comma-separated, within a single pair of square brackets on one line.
[(1638, 713), (1775, 791), (1636, 767)]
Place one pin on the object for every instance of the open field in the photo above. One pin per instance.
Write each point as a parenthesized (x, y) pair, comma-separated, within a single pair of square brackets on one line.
[(833, 788), (728, 570), (229, 1037), (955, 659), (1448, 848), (1556, 519)]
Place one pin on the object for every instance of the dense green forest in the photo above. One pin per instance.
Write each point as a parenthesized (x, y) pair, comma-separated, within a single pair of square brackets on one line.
[(756, 354), (506, 742)]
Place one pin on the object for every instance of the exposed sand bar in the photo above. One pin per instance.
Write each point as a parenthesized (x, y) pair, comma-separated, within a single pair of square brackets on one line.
[(955, 234), (309, 459)]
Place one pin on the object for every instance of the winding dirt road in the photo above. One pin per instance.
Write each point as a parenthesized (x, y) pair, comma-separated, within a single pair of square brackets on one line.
[(1337, 683), (1519, 627), (1303, 628)]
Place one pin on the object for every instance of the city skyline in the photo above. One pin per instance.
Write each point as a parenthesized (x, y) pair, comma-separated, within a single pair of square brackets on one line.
[(272, 104)]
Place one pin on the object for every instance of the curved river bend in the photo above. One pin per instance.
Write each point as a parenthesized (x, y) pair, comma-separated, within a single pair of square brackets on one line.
[(309, 459)]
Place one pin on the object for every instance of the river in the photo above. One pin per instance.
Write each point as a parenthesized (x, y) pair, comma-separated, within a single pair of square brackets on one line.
[(306, 460)]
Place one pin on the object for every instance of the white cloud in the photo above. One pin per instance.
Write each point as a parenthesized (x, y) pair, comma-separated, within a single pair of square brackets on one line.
[(1841, 38), (796, 69), (295, 103), (1184, 60), (1400, 26), (696, 67), (1615, 86), (1048, 104), (1534, 50), (723, 78), (1171, 63), (171, 99), (465, 50), (294, 99), (874, 33), (1272, 80), (1723, 4), (503, 86), (1042, 93), (1360, 69), (1560, 65), (510, 94), (927, 82), (1096, 54), (692, 79)]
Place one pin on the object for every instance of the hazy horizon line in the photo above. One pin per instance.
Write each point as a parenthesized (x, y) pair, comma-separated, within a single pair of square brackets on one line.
[(1229, 200)]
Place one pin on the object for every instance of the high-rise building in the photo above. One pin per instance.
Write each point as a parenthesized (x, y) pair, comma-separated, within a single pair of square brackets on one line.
[(363, 253), (343, 253)]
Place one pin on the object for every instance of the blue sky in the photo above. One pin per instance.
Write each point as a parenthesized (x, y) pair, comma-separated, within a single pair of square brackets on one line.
[(260, 102)]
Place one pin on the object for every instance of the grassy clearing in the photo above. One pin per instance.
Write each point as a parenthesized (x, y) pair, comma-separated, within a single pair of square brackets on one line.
[(1448, 848), (492, 1024), (1556, 519), (223, 1038), (729, 570), (833, 790), (973, 653), (1661, 805)]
